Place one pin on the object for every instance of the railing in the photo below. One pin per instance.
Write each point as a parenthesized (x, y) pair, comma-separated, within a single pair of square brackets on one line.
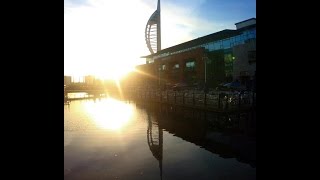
[(84, 90), (214, 100)]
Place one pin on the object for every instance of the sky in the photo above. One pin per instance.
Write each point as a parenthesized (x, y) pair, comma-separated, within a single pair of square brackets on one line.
[(106, 38)]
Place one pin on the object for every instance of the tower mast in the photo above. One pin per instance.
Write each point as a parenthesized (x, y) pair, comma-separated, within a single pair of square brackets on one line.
[(159, 28)]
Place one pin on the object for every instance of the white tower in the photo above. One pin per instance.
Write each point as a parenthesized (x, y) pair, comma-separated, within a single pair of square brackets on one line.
[(153, 31)]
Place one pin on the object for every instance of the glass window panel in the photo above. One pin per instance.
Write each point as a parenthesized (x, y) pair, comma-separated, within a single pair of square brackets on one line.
[(216, 45), (210, 46), (226, 44)]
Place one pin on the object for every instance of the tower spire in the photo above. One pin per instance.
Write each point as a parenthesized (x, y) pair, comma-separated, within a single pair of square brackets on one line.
[(153, 31), (159, 28)]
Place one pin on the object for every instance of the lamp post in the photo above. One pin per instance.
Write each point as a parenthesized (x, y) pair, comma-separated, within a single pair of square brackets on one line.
[(205, 70), (205, 58)]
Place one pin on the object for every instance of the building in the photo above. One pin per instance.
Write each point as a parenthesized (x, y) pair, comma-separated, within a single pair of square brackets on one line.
[(67, 80), (89, 80), (221, 57)]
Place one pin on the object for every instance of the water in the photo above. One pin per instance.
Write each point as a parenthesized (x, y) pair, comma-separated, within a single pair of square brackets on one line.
[(111, 139), (78, 95)]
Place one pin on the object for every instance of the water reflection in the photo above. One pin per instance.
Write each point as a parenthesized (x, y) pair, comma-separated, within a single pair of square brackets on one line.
[(77, 95), (109, 113), (156, 142), (229, 135)]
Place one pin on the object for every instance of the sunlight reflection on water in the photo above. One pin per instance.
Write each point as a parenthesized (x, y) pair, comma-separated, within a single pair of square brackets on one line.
[(109, 113), (106, 138)]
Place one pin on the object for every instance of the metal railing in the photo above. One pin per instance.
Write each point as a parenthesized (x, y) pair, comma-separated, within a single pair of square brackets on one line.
[(220, 100)]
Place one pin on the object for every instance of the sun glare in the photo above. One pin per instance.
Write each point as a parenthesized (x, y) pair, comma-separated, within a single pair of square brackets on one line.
[(110, 114), (115, 74), (98, 42)]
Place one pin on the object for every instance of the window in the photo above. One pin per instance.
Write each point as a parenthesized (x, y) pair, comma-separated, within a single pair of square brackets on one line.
[(216, 46), (176, 66), (226, 43), (190, 65), (163, 67), (211, 47)]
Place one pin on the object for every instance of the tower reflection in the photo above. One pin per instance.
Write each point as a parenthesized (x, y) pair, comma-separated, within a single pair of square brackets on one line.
[(155, 141), (227, 135)]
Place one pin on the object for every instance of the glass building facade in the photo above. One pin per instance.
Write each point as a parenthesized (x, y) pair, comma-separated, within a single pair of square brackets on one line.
[(218, 48), (223, 44)]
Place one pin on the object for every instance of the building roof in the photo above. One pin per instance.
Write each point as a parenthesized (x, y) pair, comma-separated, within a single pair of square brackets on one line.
[(245, 21), (202, 40)]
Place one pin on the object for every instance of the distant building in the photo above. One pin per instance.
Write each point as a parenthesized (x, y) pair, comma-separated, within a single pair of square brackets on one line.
[(67, 80), (89, 80), (217, 58)]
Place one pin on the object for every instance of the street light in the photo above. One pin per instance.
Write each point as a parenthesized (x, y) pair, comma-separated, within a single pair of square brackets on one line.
[(205, 58)]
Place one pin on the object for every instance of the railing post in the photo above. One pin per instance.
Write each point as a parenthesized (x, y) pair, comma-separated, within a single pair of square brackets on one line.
[(175, 97), (253, 99), (183, 98), (193, 101), (205, 99), (239, 104), (219, 103), (227, 103), (167, 96)]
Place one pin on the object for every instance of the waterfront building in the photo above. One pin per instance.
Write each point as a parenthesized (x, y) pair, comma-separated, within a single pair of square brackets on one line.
[(220, 57)]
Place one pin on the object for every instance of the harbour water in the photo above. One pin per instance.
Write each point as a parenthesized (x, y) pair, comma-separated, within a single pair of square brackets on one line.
[(108, 138)]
